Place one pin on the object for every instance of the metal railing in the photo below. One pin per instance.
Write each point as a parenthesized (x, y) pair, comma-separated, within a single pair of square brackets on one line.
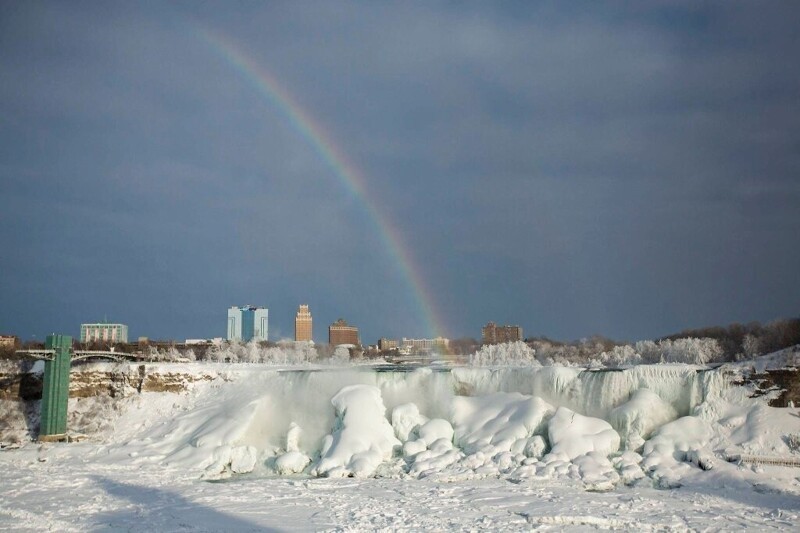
[(45, 355), (764, 460), (79, 355)]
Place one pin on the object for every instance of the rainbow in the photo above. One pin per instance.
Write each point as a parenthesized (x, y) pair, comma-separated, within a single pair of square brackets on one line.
[(345, 171)]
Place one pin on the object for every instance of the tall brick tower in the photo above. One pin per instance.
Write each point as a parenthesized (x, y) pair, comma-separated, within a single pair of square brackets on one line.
[(302, 325)]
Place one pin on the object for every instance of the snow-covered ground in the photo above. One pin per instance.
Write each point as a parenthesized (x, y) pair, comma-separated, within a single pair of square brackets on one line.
[(355, 448)]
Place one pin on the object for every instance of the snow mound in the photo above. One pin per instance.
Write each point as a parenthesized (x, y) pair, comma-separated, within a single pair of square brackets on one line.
[(681, 435), (495, 422), (639, 417), (291, 463), (406, 418), (674, 445), (207, 438), (434, 430), (572, 435), (596, 471), (628, 465), (436, 457), (362, 438), (229, 460)]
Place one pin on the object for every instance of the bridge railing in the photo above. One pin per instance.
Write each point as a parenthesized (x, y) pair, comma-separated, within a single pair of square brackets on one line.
[(46, 355), (79, 355)]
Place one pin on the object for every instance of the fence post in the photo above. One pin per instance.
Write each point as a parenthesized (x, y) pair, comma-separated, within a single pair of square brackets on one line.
[(55, 393)]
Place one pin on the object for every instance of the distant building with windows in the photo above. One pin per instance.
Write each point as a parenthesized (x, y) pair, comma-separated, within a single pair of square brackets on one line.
[(104, 332), (439, 344), (387, 344), (341, 333), (8, 341), (248, 323), (303, 325), (494, 334)]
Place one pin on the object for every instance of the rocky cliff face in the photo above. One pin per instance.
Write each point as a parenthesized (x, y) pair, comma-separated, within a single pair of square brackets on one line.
[(115, 381), (21, 393), (785, 382)]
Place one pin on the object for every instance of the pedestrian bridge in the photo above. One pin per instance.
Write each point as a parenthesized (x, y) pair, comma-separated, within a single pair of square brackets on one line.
[(80, 355)]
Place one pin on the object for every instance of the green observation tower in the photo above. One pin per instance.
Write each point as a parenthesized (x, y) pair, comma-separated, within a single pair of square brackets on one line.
[(55, 393)]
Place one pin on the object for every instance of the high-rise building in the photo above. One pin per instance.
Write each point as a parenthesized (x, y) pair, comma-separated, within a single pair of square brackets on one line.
[(341, 333), (303, 330), (248, 323), (104, 332), (494, 334)]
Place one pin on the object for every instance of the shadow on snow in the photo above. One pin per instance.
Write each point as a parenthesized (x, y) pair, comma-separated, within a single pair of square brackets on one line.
[(160, 510)]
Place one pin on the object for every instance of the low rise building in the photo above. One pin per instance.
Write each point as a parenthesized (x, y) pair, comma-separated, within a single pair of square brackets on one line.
[(387, 344), (340, 332), (439, 345), (9, 341), (104, 332)]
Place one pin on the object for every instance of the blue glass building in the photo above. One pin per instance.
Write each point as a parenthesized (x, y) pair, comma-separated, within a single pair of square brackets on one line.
[(248, 323)]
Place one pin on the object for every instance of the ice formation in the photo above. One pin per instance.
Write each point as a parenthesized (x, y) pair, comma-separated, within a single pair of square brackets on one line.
[(496, 422), (362, 437), (636, 419), (572, 435), (647, 424), (512, 448)]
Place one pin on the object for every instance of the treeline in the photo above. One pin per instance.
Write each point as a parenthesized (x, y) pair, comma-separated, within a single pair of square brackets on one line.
[(747, 340), (719, 344), (715, 344)]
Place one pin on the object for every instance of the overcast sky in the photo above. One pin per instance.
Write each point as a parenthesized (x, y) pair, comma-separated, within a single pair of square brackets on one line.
[(626, 169)]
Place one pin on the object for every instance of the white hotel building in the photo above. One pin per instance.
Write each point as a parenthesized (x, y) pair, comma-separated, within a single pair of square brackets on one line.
[(425, 345), (104, 332)]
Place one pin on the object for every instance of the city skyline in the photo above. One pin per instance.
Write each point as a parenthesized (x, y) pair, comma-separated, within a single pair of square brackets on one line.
[(579, 169)]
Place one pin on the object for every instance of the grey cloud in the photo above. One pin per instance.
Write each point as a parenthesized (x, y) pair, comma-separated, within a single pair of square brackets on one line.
[(582, 168)]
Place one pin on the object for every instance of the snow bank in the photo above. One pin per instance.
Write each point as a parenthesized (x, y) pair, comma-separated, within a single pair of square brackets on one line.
[(205, 437), (362, 438)]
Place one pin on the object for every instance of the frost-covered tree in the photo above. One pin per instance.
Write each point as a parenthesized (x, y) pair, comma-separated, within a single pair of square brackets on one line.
[(649, 352), (691, 351), (620, 355), (341, 354), (510, 353), (252, 352), (751, 345)]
